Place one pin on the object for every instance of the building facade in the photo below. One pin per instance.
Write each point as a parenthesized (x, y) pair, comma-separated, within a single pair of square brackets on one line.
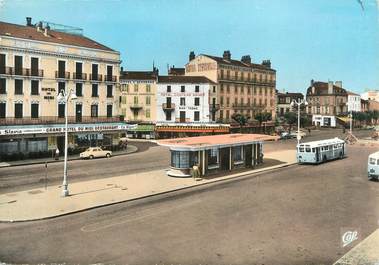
[(353, 102), (371, 95), (284, 102), (242, 86), (36, 63)]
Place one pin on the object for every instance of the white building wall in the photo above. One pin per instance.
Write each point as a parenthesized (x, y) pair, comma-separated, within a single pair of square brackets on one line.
[(189, 107), (353, 103)]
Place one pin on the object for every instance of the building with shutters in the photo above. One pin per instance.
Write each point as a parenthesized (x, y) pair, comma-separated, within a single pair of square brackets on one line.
[(37, 61)]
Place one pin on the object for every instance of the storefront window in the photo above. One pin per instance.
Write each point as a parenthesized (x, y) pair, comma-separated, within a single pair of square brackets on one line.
[(237, 154), (213, 158), (180, 159)]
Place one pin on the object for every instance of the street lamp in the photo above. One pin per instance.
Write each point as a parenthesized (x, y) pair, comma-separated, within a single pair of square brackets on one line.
[(64, 97), (298, 104)]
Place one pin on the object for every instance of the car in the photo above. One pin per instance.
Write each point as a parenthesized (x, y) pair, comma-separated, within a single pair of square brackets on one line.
[(294, 134), (286, 135), (95, 152)]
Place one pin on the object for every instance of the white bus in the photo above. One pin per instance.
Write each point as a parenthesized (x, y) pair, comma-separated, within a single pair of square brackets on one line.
[(320, 151), (373, 166)]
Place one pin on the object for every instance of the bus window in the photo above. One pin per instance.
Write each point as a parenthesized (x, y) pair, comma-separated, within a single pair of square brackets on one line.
[(326, 148), (372, 161), (301, 149), (313, 150), (335, 146), (307, 149)]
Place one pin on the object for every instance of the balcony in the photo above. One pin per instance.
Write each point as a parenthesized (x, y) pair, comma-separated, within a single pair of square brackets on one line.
[(21, 71), (57, 120), (6, 70), (136, 107), (63, 75), (214, 107), (95, 77), (110, 78), (36, 72), (168, 106), (79, 76)]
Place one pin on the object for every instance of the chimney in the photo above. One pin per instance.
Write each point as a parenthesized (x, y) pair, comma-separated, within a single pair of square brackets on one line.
[(312, 82), (313, 90), (246, 59), (191, 56), (330, 87), (39, 27), (227, 55), (338, 83), (46, 32), (266, 63), (122, 69), (28, 21)]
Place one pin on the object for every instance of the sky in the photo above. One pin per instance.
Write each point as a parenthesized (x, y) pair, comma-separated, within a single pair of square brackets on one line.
[(323, 40)]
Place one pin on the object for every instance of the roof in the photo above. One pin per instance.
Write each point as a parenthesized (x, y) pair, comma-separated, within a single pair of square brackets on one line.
[(31, 33), (352, 93), (289, 94), (335, 140), (374, 155), (213, 141), (176, 71), (233, 62), (321, 88), (184, 79), (138, 75)]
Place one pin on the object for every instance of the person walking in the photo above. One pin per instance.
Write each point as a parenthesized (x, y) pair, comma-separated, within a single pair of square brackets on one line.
[(57, 154)]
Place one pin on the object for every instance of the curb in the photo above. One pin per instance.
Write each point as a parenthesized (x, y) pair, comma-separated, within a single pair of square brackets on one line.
[(62, 160), (238, 175)]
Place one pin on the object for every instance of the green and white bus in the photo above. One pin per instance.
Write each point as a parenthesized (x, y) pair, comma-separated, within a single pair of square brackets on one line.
[(373, 166), (321, 151)]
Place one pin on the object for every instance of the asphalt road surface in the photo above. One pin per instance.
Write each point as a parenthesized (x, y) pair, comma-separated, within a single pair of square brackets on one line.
[(149, 157), (292, 216)]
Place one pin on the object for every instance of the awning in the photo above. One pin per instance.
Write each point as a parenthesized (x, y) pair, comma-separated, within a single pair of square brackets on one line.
[(143, 128), (344, 119)]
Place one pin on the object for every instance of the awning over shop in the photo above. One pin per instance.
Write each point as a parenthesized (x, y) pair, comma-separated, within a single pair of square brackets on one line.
[(344, 119), (193, 128), (142, 128)]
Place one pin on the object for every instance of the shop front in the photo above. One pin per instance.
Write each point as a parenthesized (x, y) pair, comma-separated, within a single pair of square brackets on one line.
[(35, 141), (142, 131), (215, 153), (174, 130)]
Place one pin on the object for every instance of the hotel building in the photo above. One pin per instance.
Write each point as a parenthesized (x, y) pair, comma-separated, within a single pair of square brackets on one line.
[(36, 63), (242, 86)]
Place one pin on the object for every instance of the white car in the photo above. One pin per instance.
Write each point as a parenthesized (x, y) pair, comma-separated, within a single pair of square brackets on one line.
[(373, 166), (94, 152)]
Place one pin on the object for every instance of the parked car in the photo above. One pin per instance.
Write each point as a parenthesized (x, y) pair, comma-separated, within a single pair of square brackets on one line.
[(302, 134), (95, 152), (286, 135)]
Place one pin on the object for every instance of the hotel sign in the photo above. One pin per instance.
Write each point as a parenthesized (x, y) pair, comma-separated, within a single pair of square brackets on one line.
[(61, 129)]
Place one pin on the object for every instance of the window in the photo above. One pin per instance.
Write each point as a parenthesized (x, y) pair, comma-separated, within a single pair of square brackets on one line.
[(227, 114), (109, 110), (109, 73), (182, 116), (135, 87), (182, 101), (180, 159), (79, 70), (61, 110), (213, 158), (197, 89), (95, 92), (18, 65), (197, 101), (237, 154), (34, 87), (222, 101), (2, 63), (109, 91), (147, 113), (182, 89), (227, 89), (148, 88), (301, 149), (3, 86), (135, 100), (372, 161), (214, 89), (94, 110), (34, 110), (168, 116), (196, 116), (148, 100), (79, 89), (18, 87), (227, 101), (2, 110), (18, 110), (307, 149), (168, 88), (61, 69), (95, 69)]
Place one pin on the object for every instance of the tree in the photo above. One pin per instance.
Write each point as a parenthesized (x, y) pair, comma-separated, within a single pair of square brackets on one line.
[(291, 119), (262, 117), (241, 119)]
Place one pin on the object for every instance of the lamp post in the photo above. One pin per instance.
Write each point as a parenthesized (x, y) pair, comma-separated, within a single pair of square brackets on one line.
[(63, 96), (298, 103)]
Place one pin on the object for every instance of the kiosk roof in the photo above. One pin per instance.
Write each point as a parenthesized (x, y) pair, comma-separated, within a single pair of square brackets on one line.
[(210, 141)]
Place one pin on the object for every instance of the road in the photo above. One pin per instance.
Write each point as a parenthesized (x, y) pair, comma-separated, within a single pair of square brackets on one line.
[(290, 216), (150, 157)]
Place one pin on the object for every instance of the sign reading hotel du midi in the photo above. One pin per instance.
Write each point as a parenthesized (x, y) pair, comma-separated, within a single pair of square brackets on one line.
[(61, 129)]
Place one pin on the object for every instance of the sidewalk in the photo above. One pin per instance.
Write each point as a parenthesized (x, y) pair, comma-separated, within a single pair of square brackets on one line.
[(40, 204), (129, 149)]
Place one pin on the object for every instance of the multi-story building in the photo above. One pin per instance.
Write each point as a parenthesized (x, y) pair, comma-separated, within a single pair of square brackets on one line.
[(184, 105), (242, 86), (371, 95), (326, 101), (284, 102), (353, 102), (36, 63)]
